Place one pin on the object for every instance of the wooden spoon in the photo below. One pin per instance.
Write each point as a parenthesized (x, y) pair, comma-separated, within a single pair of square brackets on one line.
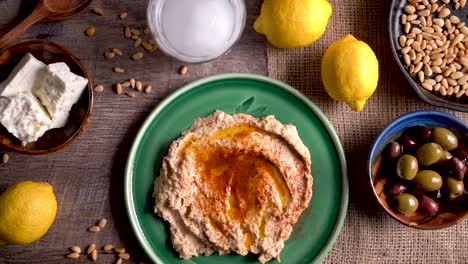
[(44, 9)]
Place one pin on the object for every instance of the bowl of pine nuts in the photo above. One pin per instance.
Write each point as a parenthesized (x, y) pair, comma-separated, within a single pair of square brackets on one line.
[(429, 40)]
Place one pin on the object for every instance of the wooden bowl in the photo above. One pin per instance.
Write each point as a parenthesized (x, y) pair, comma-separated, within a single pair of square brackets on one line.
[(429, 118), (54, 139)]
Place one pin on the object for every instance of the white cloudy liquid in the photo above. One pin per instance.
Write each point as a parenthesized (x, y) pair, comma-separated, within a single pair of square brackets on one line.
[(198, 28)]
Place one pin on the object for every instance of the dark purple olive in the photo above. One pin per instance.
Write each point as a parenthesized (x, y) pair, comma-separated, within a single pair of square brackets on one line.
[(461, 152), (420, 134), (456, 168), (407, 142), (427, 205), (393, 150), (395, 188)]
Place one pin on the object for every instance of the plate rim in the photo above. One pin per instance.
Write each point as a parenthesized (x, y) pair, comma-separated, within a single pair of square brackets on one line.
[(128, 196)]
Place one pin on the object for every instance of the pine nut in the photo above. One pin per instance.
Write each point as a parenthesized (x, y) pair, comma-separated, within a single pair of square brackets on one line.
[(94, 255), (90, 31), (132, 83), (75, 249), (123, 15), (109, 55), (5, 158), (130, 94), (99, 88), (98, 11), (128, 33), (138, 86), (91, 248), (102, 223), (119, 70), (118, 88), (148, 88), (72, 255), (119, 250), (124, 256), (183, 70), (94, 229), (137, 56), (108, 247), (117, 51)]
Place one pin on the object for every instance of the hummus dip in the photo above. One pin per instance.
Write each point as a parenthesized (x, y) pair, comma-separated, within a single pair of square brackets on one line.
[(234, 183)]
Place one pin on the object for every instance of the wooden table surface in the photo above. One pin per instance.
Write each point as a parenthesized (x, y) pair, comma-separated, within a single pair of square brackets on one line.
[(87, 176)]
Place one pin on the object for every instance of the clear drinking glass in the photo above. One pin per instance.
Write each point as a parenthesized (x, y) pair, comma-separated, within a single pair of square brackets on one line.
[(196, 31)]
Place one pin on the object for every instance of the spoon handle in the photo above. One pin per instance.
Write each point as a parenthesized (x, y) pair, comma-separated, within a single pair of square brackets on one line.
[(21, 26)]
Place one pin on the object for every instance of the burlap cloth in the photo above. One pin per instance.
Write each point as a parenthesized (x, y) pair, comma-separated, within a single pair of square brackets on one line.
[(368, 235)]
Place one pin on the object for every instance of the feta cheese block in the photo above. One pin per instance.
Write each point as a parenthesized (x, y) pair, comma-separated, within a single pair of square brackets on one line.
[(59, 91), (24, 117), (26, 76)]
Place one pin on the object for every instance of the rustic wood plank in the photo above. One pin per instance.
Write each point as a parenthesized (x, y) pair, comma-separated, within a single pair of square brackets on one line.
[(88, 175)]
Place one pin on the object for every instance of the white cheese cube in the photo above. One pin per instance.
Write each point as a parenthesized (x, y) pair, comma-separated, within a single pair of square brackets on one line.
[(59, 91), (23, 116), (58, 66), (26, 76)]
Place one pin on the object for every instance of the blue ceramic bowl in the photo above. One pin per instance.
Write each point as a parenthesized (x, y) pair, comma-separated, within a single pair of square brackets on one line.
[(429, 118)]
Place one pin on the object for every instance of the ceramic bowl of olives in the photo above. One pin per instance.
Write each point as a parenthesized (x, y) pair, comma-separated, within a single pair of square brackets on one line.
[(418, 169)]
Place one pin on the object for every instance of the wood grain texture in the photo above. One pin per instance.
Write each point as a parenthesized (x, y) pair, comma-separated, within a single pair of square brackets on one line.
[(88, 175)]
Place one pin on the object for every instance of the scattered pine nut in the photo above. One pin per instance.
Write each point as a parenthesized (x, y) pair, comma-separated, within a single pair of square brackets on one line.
[(90, 31), (119, 70), (138, 86), (135, 31), (94, 229), (99, 88), (134, 37), (117, 51), (124, 256), (148, 89), (118, 88), (137, 56), (118, 261), (109, 55), (126, 84), (108, 247), (119, 250), (183, 70), (146, 31), (102, 223), (147, 46), (75, 249), (123, 15), (72, 255), (128, 34), (98, 11), (5, 158), (91, 248), (94, 255), (131, 94), (132, 83), (137, 43)]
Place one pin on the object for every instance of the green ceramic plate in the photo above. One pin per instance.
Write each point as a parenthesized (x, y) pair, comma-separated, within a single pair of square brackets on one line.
[(318, 227)]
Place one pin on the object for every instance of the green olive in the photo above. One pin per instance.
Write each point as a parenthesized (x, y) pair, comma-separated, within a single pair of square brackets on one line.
[(428, 180), (407, 167), (445, 156), (445, 138), (429, 153), (454, 188), (406, 203)]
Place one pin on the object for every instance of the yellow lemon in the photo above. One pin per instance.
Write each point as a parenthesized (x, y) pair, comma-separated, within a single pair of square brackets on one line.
[(293, 23), (350, 72), (27, 210)]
